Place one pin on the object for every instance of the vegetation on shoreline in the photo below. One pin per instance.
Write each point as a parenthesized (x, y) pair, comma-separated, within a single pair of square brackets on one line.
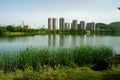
[(14, 31), (57, 63), (111, 26), (36, 58), (63, 73)]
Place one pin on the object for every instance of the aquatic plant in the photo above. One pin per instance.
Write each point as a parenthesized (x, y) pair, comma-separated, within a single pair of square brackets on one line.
[(37, 58)]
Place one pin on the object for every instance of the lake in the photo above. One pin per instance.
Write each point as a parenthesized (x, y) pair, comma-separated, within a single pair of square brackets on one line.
[(20, 42)]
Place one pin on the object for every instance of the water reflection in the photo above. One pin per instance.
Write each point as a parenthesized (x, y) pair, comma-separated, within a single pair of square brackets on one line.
[(61, 41), (85, 40), (52, 40), (70, 40), (64, 40), (74, 40), (94, 40), (16, 39), (16, 43)]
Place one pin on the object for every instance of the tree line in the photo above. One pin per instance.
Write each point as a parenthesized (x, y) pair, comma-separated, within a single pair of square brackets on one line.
[(11, 28), (101, 28)]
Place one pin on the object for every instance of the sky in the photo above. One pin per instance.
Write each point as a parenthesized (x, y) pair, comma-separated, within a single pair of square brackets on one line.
[(36, 12)]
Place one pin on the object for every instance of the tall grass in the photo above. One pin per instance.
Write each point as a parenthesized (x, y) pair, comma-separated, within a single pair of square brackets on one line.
[(37, 58)]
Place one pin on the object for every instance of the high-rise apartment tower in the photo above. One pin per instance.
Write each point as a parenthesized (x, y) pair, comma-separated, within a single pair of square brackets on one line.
[(54, 23), (74, 24), (50, 24), (61, 23)]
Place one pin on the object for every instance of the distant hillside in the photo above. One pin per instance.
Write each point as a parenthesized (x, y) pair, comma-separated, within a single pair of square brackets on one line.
[(111, 26), (102, 26), (115, 25)]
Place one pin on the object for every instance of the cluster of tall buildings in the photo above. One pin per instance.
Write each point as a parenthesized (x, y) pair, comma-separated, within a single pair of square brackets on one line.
[(53, 24)]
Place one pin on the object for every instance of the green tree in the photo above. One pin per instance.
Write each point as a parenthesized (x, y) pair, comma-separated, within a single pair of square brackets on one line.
[(11, 28), (2, 30)]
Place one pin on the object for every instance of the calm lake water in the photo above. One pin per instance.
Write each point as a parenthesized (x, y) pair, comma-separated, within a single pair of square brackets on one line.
[(20, 42)]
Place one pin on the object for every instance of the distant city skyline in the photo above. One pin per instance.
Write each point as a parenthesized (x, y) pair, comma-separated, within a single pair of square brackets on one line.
[(37, 12), (63, 25)]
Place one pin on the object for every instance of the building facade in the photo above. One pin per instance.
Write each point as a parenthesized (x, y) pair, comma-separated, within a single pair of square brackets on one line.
[(82, 25), (54, 23), (27, 26), (50, 24), (90, 26), (61, 23), (74, 24), (67, 26)]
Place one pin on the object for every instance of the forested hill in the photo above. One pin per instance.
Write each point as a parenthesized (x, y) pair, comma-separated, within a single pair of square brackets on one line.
[(115, 25), (111, 26)]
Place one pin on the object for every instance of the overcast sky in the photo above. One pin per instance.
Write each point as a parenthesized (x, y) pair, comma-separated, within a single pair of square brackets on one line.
[(36, 12)]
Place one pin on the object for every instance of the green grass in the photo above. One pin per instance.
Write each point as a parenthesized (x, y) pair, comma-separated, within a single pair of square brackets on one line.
[(57, 64), (63, 73), (37, 58)]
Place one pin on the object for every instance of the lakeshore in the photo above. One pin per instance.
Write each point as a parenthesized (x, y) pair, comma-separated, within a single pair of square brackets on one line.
[(63, 73), (57, 63)]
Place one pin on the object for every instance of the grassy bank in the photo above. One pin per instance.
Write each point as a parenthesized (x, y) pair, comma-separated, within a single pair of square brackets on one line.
[(57, 64), (62, 73), (37, 58)]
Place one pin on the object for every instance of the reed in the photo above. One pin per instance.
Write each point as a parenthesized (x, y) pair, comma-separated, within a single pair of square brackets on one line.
[(37, 58)]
